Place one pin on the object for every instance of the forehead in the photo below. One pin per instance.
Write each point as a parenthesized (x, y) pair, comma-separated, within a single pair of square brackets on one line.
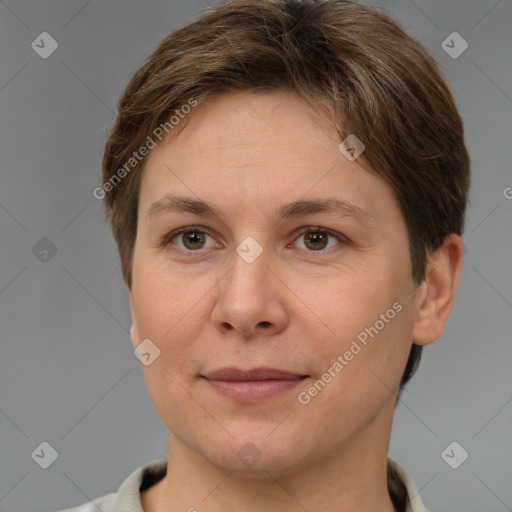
[(256, 149)]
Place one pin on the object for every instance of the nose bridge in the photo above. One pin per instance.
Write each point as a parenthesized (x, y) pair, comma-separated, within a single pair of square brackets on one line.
[(247, 299), (249, 265)]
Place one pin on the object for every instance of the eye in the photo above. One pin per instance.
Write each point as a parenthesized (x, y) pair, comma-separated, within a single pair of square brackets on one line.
[(193, 238), (189, 239), (317, 239)]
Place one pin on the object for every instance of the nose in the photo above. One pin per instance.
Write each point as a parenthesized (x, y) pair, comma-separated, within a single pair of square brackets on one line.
[(251, 298)]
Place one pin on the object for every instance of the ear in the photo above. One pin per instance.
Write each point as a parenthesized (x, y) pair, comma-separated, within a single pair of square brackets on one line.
[(134, 334), (437, 292)]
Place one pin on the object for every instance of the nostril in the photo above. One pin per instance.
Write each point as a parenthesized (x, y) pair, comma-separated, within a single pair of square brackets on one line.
[(265, 324)]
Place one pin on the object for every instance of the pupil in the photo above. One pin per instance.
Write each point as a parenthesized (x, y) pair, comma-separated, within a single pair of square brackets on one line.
[(314, 238), (194, 238)]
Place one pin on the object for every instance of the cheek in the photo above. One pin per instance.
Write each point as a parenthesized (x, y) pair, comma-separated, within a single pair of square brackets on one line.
[(370, 325), (355, 300), (171, 399), (357, 380), (169, 310)]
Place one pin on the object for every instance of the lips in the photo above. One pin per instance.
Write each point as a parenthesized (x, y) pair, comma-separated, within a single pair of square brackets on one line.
[(236, 374), (253, 385)]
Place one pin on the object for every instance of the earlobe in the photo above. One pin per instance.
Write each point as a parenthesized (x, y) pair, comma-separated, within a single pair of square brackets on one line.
[(440, 288), (134, 334), (133, 331)]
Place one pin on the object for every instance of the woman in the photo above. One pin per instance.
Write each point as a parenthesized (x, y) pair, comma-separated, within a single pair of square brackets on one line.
[(287, 183)]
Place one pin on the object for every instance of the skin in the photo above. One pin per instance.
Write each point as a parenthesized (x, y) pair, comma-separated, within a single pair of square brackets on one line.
[(293, 308)]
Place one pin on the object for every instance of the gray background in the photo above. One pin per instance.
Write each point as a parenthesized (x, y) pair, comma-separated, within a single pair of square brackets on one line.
[(68, 375)]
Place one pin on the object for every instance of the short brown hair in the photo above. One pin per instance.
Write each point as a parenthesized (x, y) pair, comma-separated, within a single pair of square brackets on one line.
[(352, 61)]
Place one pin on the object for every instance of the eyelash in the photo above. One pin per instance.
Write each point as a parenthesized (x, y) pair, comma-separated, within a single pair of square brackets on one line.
[(167, 239)]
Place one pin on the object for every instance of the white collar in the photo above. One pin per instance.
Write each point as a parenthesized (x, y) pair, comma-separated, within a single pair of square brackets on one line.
[(415, 505)]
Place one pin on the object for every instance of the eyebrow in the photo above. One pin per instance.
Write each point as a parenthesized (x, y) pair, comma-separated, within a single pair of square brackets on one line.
[(176, 204)]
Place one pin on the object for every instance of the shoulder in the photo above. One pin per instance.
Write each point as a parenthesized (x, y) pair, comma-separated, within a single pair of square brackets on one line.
[(128, 495)]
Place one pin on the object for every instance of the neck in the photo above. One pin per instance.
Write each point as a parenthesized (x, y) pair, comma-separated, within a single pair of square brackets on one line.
[(352, 478)]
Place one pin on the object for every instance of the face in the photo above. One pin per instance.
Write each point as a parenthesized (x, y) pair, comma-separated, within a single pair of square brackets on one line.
[(269, 274)]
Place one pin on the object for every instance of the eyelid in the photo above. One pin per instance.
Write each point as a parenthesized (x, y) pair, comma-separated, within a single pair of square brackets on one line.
[(322, 229)]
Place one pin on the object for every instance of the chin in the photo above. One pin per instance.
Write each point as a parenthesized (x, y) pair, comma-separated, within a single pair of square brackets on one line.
[(254, 453)]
